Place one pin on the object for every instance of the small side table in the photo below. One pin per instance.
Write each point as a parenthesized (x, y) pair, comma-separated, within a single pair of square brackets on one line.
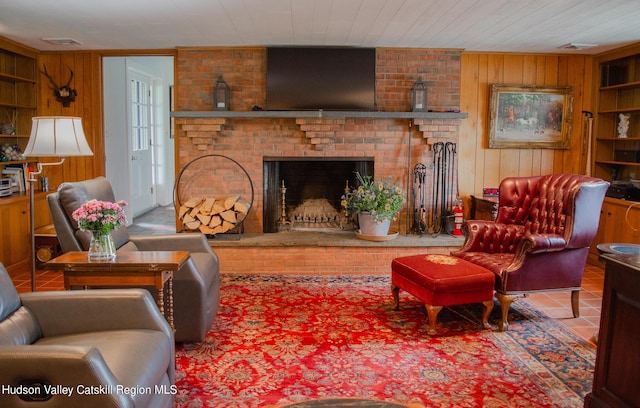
[(130, 269), (483, 208)]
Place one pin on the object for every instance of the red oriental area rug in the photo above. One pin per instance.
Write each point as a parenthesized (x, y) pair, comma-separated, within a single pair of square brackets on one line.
[(286, 339)]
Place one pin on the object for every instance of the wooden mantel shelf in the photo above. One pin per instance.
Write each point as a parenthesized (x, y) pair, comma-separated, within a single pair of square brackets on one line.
[(320, 114)]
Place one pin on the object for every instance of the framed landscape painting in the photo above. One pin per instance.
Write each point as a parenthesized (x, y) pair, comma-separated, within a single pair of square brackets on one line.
[(530, 117)]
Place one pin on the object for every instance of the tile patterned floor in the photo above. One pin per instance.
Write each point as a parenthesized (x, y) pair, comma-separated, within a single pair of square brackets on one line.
[(556, 305)]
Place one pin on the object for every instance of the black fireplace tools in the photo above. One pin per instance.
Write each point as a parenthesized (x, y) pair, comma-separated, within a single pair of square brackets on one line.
[(433, 200)]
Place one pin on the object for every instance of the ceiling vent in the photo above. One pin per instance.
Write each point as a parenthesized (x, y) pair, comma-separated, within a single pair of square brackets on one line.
[(577, 46), (62, 41)]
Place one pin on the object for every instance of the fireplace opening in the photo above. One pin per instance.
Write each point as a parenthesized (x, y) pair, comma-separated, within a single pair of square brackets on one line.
[(314, 187)]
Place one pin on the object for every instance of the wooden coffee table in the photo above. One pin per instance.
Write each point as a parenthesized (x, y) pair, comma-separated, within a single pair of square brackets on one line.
[(131, 269)]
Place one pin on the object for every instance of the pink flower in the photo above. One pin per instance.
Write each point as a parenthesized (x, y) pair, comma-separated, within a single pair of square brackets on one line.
[(100, 216)]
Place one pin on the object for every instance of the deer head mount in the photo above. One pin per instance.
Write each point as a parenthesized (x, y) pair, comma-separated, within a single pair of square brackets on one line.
[(64, 94)]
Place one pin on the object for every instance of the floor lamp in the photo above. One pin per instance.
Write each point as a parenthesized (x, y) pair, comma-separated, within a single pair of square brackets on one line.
[(51, 136)]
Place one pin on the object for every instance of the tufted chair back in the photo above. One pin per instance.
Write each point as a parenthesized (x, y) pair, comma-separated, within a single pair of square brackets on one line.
[(541, 236)]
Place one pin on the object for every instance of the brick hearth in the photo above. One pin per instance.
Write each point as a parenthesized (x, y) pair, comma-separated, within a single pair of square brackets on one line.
[(321, 253)]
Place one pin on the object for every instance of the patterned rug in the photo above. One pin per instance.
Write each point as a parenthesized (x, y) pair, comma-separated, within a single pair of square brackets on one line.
[(286, 339)]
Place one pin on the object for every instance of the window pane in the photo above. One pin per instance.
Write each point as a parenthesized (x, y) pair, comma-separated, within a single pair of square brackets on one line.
[(140, 110)]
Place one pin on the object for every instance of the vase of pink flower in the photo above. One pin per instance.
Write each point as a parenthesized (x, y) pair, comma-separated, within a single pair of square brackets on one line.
[(100, 218)]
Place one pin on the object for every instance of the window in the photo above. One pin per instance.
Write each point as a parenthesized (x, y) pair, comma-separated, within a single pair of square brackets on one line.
[(140, 114)]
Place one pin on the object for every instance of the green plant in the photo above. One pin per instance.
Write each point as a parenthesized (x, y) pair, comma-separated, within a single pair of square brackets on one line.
[(380, 199)]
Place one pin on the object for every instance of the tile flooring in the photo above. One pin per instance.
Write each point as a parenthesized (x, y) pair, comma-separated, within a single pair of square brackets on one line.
[(556, 305)]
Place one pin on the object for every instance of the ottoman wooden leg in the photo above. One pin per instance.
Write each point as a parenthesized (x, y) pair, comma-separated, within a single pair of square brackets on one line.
[(432, 311), (487, 307), (395, 291)]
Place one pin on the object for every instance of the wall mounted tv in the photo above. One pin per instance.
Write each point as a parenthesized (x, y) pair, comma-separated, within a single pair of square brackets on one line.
[(313, 78)]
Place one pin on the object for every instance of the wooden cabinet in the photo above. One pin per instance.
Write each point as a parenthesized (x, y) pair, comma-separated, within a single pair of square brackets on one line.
[(617, 369), (619, 222), (15, 245)]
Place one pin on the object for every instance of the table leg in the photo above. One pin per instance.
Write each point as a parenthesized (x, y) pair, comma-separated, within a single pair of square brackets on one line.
[(170, 296), (161, 300)]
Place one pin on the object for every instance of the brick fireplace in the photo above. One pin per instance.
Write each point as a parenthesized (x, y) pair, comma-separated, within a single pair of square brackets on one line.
[(392, 138), (394, 143)]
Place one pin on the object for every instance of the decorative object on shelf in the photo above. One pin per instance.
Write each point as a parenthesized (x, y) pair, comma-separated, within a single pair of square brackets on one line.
[(9, 128), (100, 218), (64, 94), (623, 125), (51, 136), (221, 95), (380, 201), (530, 117), (419, 96), (11, 153)]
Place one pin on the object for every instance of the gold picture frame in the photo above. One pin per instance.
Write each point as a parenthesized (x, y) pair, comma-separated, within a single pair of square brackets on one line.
[(530, 117)]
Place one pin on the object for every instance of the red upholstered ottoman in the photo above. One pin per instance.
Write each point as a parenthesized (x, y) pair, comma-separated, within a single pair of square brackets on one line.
[(442, 280)]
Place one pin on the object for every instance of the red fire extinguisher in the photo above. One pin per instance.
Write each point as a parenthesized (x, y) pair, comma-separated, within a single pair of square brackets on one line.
[(458, 218)]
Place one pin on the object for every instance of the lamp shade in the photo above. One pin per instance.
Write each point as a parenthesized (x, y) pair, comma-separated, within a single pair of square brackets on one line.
[(57, 136)]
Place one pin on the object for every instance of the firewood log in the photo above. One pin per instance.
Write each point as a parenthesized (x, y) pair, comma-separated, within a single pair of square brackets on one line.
[(215, 221), (230, 201), (205, 219), (229, 216), (192, 202)]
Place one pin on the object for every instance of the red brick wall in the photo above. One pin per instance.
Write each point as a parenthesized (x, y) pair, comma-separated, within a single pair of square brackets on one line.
[(248, 140)]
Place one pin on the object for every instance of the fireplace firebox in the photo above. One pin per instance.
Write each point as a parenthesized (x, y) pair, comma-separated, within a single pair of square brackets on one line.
[(307, 179)]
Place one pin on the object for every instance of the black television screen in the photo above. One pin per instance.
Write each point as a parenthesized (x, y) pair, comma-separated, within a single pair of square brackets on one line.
[(311, 78)]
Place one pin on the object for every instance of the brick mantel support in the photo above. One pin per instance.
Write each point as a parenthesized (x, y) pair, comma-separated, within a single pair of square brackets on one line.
[(438, 130)]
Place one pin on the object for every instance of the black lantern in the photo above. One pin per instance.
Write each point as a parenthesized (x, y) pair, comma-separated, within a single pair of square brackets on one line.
[(221, 95), (419, 97)]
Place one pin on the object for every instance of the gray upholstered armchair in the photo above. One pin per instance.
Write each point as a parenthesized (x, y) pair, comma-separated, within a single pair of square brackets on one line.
[(116, 339), (196, 287)]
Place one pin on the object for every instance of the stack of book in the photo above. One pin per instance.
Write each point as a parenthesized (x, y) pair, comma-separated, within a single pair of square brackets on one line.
[(18, 174)]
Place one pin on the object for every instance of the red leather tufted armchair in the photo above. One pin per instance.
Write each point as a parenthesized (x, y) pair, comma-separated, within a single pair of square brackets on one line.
[(541, 237)]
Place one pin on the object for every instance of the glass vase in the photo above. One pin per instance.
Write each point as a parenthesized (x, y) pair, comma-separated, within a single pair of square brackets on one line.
[(101, 246)]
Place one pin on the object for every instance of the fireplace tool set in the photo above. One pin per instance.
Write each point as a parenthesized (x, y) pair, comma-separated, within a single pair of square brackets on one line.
[(433, 200)]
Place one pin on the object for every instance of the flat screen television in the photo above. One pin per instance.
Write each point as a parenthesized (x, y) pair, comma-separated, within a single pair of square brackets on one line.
[(313, 78)]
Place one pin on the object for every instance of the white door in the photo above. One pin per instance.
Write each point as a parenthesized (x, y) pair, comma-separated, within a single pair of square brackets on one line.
[(141, 142)]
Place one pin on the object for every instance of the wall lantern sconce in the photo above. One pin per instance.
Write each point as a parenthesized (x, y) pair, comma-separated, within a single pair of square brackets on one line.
[(419, 96), (221, 95)]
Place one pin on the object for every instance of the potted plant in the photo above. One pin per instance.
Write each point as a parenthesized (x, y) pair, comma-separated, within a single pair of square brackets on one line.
[(375, 202)]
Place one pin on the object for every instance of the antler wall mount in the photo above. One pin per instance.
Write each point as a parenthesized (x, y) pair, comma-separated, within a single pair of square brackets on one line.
[(64, 94)]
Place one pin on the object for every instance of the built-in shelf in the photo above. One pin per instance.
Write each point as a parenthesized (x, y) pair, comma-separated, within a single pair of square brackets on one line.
[(321, 114)]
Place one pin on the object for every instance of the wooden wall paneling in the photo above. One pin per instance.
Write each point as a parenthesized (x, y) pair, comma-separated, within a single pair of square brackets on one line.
[(469, 152), (575, 157), (479, 71), (495, 70), (86, 67), (561, 161)]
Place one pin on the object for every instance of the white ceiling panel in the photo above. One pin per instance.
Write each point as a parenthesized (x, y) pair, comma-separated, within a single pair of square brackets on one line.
[(473, 25)]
